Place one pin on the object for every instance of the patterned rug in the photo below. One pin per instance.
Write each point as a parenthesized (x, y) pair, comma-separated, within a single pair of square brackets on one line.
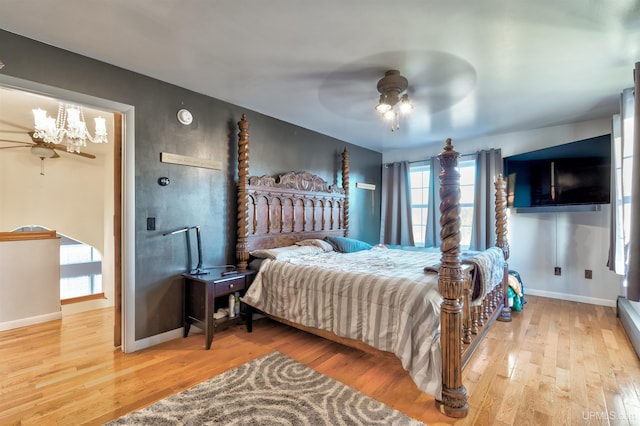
[(272, 390)]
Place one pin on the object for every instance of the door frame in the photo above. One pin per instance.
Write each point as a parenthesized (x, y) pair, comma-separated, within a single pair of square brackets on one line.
[(124, 207)]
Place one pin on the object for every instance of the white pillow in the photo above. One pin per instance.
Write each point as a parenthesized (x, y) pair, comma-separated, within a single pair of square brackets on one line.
[(285, 252), (325, 246)]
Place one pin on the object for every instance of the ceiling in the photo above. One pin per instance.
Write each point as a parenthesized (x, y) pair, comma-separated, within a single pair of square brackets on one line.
[(474, 68)]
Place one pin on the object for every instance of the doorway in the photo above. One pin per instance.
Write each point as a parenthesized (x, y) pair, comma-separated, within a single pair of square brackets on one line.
[(61, 181)]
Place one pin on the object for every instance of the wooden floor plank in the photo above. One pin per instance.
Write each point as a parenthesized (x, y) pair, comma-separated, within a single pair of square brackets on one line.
[(557, 362)]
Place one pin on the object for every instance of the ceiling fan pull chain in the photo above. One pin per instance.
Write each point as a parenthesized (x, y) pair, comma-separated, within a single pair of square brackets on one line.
[(42, 166)]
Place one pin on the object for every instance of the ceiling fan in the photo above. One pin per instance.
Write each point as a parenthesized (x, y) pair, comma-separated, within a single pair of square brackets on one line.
[(42, 149)]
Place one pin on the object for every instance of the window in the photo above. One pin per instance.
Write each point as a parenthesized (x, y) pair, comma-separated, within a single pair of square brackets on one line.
[(420, 175), (80, 269), (623, 128), (467, 189)]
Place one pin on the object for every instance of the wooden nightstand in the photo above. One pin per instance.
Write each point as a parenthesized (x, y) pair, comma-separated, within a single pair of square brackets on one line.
[(204, 294)]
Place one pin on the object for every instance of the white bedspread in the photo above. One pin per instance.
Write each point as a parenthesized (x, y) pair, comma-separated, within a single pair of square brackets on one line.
[(381, 297)]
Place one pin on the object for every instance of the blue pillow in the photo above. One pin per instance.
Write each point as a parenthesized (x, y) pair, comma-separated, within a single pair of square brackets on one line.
[(347, 245)]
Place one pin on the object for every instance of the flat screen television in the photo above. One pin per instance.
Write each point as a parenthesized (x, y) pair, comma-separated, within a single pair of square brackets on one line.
[(577, 173)]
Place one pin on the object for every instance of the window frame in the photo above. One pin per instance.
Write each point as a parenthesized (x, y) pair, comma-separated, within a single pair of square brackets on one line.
[(467, 162), (74, 267), (419, 229)]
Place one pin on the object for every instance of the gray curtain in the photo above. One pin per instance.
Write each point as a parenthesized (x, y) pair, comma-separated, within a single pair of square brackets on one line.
[(633, 275), (483, 232), (432, 231), (396, 226)]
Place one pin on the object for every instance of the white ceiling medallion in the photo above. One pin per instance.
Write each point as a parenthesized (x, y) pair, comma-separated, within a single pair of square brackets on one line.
[(185, 117)]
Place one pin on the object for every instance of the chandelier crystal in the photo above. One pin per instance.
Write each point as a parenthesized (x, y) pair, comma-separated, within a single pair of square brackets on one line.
[(393, 103), (69, 126)]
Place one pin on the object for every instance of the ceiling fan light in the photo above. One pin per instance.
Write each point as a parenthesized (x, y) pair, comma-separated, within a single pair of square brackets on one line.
[(42, 151), (393, 102), (382, 106), (405, 105), (389, 115)]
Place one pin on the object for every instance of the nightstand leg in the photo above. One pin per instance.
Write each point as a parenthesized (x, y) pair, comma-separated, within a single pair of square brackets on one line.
[(209, 328)]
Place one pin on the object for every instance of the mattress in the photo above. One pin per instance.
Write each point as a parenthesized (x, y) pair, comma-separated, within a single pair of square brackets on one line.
[(381, 296)]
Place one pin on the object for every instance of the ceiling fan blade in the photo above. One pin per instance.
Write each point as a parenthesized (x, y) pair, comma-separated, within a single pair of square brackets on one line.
[(12, 132), (81, 154), (55, 155), (12, 141), (15, 146)]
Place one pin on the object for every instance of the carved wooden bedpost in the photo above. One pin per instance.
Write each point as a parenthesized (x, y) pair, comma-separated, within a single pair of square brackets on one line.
[(242, 256), (345, 186), (450, 284), (502, 242)]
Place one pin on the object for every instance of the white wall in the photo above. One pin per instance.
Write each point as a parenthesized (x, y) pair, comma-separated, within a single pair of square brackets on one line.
[(74, 197), (29, 284), (540, 241)]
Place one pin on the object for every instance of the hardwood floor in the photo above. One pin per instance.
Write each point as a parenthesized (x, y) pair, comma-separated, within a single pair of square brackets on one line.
[(558, 362)]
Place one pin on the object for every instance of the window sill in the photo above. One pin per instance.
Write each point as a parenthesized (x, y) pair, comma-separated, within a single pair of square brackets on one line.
[(82, 298)]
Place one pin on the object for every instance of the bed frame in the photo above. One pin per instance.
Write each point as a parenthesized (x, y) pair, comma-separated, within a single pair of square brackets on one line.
[(278, 211)]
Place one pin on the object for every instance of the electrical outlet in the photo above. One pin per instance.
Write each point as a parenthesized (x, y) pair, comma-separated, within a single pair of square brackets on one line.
[(151, 224), (588, 274), (557, 270)]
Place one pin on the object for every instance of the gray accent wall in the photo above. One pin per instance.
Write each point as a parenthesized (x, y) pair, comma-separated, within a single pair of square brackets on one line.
[(195, 196)]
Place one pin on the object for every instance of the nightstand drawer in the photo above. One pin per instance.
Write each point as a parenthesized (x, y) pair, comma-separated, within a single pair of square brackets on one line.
[(229, 286)]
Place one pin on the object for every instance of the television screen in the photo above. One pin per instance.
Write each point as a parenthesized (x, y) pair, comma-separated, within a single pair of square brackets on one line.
[(570, 174), (582, 181)]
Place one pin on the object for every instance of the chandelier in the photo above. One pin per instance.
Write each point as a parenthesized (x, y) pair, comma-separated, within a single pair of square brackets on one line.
[(393, 103), (69, 126)]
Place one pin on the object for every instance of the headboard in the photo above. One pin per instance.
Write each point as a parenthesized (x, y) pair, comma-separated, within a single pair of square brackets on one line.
[(275, 211)]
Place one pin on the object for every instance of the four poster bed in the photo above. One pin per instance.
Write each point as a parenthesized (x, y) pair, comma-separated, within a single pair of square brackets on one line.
[(313, 277)]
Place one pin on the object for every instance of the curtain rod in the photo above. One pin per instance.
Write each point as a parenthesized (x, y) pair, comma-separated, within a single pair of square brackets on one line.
[(427, 160)]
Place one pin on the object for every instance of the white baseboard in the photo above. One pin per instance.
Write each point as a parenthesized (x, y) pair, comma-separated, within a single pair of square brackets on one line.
[(147, 342), (23, 322), (571, 297)]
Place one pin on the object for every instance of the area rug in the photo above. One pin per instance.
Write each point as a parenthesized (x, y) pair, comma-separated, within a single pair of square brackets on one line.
[(272, 390)]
